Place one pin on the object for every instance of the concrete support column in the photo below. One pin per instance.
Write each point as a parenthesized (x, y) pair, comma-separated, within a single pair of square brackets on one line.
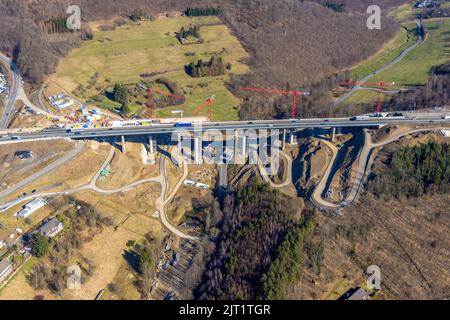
[(151, 145), (223, 175), (180, 154), (283, 143), (240, 147), (236, 147), (333, 133), (123, 144), (197, 148), (244, 146), (151, 150), (292, 139)]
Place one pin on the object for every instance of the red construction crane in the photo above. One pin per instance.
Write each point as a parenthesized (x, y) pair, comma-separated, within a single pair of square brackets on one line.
[(294, 93), (208, 102), (150, 95), (380, 84)]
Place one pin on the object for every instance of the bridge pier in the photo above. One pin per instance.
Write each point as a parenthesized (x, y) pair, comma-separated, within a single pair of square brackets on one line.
[(240, 147), (333, 134), (123, 144), (197, 148), (292, 140), (283, 142), (151, 154), (151, 144), (223, 175)]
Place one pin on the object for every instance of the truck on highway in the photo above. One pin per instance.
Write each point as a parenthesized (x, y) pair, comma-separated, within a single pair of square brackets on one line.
[(183, 124), (360, 118)]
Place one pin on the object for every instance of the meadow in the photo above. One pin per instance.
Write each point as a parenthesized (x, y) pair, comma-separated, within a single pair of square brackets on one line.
[(149, 47)]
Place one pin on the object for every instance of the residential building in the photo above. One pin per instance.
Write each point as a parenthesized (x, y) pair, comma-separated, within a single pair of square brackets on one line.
[(51, 228), (31, 207)]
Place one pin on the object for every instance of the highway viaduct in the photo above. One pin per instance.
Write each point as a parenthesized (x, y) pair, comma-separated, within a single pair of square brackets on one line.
[(239, 135)]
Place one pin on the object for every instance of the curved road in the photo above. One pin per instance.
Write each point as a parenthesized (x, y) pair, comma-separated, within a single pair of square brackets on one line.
[(17, 92), (288, 170), (161, 202), (363, 165)]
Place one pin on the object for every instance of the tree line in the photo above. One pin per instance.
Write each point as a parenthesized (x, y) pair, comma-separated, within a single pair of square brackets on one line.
[(214, 67), (196, 12), (56, 25)]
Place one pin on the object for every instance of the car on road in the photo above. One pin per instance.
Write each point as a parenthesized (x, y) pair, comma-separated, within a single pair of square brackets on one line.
[(183, 124)]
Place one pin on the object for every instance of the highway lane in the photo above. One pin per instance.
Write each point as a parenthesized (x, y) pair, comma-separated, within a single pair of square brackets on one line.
[(46, 170), (206, 126), (13, 92)]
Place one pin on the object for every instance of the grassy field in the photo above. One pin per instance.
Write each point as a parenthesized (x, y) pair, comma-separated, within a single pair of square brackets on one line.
[(415, 67), (367, 96), (405, 37), (123, 54), (404, 12)]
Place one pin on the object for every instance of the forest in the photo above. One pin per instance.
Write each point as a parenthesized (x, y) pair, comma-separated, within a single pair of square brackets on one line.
[(255, 222), (285, 269), (414, 171)]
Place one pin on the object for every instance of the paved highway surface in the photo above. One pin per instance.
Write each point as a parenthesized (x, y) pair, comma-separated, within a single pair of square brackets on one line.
[(51, 167), (14, 136), (13, 92)]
